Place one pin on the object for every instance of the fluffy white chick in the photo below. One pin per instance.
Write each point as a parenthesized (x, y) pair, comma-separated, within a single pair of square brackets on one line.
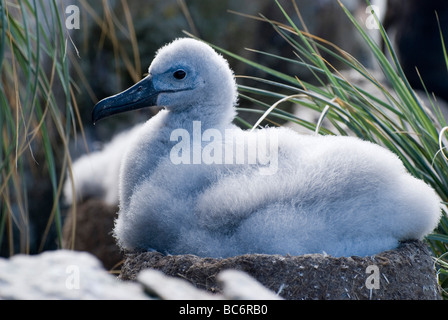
[(309, 194)]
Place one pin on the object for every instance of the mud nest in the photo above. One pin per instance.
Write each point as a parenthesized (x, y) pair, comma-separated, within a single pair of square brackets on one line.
[(93, 231), (404, 273)]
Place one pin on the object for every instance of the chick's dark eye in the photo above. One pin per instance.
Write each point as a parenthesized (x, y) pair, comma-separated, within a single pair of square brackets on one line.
[(180, 74)]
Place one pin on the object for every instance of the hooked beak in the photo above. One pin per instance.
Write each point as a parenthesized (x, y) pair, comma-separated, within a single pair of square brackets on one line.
[(140, 95)]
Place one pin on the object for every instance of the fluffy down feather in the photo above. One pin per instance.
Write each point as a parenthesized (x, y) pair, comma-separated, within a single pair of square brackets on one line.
[(337, 195)]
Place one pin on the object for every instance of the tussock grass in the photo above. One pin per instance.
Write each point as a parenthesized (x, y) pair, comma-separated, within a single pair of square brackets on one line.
[(39, 113), (32, 117)]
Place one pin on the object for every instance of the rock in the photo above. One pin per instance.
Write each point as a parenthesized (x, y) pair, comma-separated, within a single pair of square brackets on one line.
[(237, 285), (62, 275), (71, 275), (163, 287), (404, 273)]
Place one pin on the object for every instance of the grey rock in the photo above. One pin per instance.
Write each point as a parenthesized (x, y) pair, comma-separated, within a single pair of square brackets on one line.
[(237, 285), (72, 275), (160, 286), (62, 275)]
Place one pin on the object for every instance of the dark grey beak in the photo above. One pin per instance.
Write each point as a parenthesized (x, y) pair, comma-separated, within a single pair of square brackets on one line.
[(140, 95)]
